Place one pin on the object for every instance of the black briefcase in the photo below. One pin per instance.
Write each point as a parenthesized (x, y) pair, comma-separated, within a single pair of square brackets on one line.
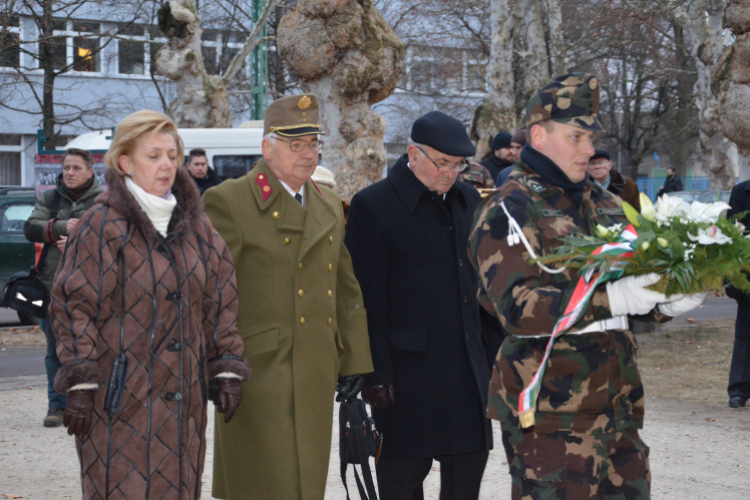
[(358, 441)]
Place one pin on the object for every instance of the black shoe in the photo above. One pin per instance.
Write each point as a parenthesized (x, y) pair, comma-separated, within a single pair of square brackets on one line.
[(54, 417), (737, 401)]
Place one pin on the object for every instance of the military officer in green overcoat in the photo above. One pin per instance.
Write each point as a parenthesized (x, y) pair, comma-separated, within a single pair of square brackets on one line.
[(301, 315)]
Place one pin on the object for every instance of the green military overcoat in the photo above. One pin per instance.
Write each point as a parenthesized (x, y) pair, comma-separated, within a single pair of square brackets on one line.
[(302, 320)]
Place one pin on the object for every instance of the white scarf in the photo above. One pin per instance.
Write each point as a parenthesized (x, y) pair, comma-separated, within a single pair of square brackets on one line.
[(158, 210)]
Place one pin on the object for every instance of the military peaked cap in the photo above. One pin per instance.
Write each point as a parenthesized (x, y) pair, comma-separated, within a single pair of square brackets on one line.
[(293, 116)]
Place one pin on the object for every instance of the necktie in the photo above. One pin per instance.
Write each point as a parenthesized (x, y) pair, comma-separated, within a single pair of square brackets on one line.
[(298, 197)]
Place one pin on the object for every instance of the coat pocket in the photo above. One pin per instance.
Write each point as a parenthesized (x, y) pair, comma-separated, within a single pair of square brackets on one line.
[(541, 478), (260, 340), (408, 339)]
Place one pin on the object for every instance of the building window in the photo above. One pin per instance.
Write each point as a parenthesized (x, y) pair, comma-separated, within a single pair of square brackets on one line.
[(10, 168), (444, 70), (78, 46), (153, 47), (10, 34), (131, 53), (219, 48)]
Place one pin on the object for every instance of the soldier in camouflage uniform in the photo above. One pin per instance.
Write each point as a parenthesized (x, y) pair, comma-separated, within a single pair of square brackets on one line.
[(584, 443), (477, 176)]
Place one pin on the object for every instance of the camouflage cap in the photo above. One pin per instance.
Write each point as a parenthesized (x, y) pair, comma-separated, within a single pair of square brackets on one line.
[(572, 99)]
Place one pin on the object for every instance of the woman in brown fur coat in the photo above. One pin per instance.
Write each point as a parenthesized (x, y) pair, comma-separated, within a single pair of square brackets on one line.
[(144, 308)]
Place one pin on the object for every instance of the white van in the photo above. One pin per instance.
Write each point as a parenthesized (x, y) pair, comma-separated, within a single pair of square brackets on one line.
[(230, 151)]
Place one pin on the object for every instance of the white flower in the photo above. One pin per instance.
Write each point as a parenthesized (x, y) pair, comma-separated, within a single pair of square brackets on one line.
[(703, 212), (709, 236), (667, 207)]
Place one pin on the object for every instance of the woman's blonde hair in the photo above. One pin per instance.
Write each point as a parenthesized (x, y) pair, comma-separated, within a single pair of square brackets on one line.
[(132, 128)]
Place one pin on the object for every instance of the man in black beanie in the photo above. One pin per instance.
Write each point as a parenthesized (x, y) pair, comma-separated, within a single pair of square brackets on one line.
[(500, 155), (432, 344)]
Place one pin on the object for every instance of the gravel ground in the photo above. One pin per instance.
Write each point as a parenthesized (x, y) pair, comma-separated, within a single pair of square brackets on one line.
[(698, 451)]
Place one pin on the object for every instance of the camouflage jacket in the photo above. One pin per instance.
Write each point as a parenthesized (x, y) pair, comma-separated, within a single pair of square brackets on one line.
[(592, 384), (477, 176)]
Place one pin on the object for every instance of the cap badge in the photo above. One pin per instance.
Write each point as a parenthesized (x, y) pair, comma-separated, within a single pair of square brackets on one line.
[(304, 102), (593, 83)]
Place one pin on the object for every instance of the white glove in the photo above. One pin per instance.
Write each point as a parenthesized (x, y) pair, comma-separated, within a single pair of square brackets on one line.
[(682, 304), (630, 296)]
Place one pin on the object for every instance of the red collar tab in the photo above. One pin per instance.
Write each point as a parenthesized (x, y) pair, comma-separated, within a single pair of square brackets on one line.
[(262, 180)]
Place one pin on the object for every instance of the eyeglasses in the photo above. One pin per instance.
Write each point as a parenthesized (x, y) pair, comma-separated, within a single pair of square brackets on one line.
[(462, 165), (298, 145)]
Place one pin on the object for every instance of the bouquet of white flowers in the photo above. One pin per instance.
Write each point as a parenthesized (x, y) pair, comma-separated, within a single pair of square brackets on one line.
[(690, 245)]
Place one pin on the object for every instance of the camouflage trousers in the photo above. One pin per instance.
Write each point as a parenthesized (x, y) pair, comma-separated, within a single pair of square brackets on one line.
[(567, 466)]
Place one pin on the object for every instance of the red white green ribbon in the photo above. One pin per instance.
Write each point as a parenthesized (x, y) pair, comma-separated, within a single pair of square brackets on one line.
[(576, 305)]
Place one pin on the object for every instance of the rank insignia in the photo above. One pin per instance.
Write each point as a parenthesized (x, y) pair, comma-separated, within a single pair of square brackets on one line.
[(304, 102), (264, 187)]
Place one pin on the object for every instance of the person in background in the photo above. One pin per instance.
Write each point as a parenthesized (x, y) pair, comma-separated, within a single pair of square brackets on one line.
[(600, 171), (144, 308), (671, 184), (477, 176), (407, 235), (517, 143), (325, 177), (74, 193), (499, 156), (204, 176)]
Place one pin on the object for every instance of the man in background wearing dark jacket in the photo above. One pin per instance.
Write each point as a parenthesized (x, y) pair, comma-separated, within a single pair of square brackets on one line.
[(600, 171), (76, 191), (500, 155), (517, 143), (672, 183), (201, 172), (407, 236)]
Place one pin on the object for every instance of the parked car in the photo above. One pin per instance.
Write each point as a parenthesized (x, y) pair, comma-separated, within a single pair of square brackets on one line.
[(711, 196), (688, 196), (16, 252)]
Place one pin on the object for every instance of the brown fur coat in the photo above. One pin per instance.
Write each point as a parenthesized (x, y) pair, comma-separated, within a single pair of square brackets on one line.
[(170, 305)]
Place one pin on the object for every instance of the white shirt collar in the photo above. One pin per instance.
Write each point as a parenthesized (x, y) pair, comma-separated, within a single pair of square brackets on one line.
[(293, 192)]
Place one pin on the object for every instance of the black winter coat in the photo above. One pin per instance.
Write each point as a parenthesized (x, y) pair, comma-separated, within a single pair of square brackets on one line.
[(494, 165), (672, 184), (740, 202), (409, 250), (209, 181)]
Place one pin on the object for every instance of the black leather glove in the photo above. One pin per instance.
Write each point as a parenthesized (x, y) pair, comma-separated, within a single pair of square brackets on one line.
[(349, 386), (228, 396), (77, 416), (380, 396)]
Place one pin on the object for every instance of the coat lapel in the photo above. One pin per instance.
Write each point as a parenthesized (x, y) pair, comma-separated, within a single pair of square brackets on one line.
[(290, 215), (321, 218)]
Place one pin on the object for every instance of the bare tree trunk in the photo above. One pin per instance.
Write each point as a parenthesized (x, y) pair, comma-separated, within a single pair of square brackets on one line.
[(559, 63), (703, 37), (730, 79), (497, 112), (536, 60), (202, 99), (347, 54)]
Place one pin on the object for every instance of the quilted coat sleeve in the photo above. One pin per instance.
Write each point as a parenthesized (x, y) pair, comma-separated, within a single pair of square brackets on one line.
[(224, 347), (35, 226), (81, 297)]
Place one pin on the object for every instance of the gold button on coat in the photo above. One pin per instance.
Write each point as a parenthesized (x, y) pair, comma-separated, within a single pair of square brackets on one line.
[(330, 293), (330, 238), (330, 321), (287, 240), (276, 215), (301, 293), (302, 321), (330, 267), (300, 265)]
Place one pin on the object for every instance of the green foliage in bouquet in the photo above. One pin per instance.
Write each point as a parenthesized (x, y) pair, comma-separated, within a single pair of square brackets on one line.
[(690, 246)]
